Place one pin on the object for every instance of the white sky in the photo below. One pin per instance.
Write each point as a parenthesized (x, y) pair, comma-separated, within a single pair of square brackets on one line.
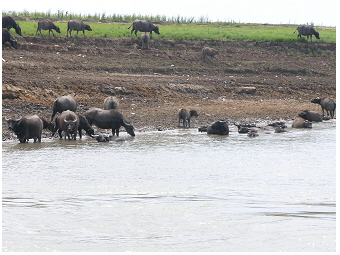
[(319, 12)]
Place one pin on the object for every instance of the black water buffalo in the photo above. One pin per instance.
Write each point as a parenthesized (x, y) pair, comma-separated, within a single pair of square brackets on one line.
[(77, 26), (47, 125), (185, 117), (27, 127), (308, 31), (145, 41), (6, 37), (8, 22), (83, 124), (218, 128), (253, 132), (326, 104), (111, 103), (244, 128), (310, 115), (108, 119), (301, 123), (47, 25), (68, 122), (64, 103), (144, 26)]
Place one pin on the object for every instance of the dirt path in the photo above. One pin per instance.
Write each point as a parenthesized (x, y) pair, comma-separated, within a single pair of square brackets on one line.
[(249, 81)]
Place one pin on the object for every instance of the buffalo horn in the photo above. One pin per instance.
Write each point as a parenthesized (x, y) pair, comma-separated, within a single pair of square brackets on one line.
[(6, 118), (75, 120)]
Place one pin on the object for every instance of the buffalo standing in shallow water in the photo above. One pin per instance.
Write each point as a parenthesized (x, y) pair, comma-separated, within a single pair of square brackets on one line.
[(8, 22), (68, 122), (47, 25), (27, 127), (143, 26), (108, 119), (77, 26), (326, 104), (64, 103)]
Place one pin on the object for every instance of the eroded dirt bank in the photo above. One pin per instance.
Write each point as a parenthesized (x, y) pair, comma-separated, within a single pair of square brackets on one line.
[(248, 81)]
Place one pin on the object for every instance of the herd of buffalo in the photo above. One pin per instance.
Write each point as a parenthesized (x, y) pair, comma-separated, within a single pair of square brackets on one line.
[(71, 123)]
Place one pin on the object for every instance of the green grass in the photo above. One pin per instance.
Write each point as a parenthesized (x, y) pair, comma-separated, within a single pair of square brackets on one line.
[(180, 29)]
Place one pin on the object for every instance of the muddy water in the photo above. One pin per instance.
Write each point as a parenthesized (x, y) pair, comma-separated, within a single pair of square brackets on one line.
[(177, 190)]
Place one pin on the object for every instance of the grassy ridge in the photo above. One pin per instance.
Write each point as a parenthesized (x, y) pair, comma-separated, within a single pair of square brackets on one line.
[(213, 31), (177, 28)]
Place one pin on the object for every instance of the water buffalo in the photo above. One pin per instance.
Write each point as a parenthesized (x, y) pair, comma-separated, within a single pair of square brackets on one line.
[(244, 128), (253, 132), (77, 26), (8, 22), (326, 104), (47, 25), (83, 124), (145, 41), (143, 26), (219, 128), (111, 103), (6, 37), (301, 123), (108, 119), (207, 51), (27, 127), (308, 31), (310, 115), (68, 122), (64, 103), (185, 116), (47, 125)]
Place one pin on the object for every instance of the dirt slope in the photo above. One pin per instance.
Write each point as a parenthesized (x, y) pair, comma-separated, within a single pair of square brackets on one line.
[(248, 80)]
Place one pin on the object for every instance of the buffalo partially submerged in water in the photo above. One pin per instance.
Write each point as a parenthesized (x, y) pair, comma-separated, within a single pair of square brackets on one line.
[(185, 117), (307, 30), (27, 127), (301, 123), (219, 128), (77, 26), (8, 22), (310, 115), (68, 122), (6, 37), (326, 104), (47, 25), (143, 26), (111, 103), (64, 103), (108, 119)]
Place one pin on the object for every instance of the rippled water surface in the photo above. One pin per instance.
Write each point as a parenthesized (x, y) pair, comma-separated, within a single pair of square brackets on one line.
[(177, 190)]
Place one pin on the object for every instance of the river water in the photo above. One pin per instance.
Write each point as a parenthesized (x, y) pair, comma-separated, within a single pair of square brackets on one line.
[(177, 190)]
